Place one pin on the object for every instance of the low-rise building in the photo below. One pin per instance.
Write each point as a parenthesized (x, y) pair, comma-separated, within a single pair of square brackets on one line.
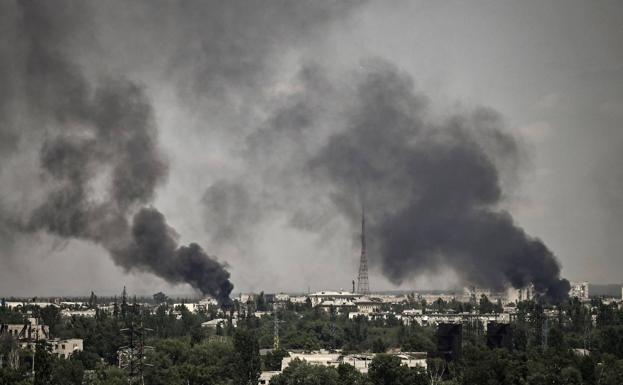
[(368, 305), (68, 313), (191, 307), (222, 322), (320, 357), (282, 297), (434, 319), (338, 305), (265, 377), (361, 361), (66, 348), (340, 296), (31, 330)]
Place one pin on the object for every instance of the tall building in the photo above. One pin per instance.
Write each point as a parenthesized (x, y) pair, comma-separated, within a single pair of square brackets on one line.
[(579, 290), (363, 286)]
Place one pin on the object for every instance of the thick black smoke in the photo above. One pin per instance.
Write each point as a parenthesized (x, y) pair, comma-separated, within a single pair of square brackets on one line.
[(302, 141), (100, 158), (432, 190), (154, 247)]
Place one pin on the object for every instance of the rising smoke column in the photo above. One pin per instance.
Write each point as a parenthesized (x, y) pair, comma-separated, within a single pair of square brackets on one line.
[(100, 158), (432, 190)]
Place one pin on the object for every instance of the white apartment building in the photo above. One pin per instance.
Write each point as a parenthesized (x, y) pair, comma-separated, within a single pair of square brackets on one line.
[(360, 361)]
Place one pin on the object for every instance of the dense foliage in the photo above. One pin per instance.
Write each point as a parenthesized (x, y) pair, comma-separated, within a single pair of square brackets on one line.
[(576, 343)]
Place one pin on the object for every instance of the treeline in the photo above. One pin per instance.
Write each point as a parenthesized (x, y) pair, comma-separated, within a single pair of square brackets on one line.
[(570, 344)]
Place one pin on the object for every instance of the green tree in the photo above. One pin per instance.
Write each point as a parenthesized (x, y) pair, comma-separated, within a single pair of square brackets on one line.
[(484, 305), (379, 346), (43, 365), (610, 372), (272, 360), (247, 362), (51, 316), (107, 375), (10, 376), (302, 373), (386, 369), (93, 301), (66, 372), (570, 376), (610, 340), (260, 302), (349, 375)]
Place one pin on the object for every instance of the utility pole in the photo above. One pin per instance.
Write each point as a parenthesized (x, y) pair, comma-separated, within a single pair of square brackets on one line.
[(132, 357)]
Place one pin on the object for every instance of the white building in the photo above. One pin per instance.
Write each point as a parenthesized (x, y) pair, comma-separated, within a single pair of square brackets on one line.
[(300, 299), (282, 297), (222, 322), (67, 313), (360, 361), (31, 330), (340, 296), (66, 348), (248, 297), (265, 377), (16, 304), (191, 307), (338, 305), (579, 290), (435, 319), (518, 295), (412, 312), (209, 303), (321, 357), (367, 305)]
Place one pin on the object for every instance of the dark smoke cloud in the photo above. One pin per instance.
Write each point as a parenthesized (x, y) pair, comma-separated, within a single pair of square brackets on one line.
[(308, 138), (237, 45), (276, 166), (230, 212), (100, 158), (154, 248), (432, 190)]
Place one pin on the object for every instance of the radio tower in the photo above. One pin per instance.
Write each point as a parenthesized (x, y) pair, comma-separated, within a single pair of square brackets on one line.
[(363, 287)]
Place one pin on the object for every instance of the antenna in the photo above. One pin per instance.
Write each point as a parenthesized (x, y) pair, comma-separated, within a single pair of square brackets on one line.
[(363, 287)]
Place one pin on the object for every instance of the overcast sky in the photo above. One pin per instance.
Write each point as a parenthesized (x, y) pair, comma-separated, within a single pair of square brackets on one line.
[(223, 80)]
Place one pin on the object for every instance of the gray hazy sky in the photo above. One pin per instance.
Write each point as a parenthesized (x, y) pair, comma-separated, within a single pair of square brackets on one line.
[(220, 75)]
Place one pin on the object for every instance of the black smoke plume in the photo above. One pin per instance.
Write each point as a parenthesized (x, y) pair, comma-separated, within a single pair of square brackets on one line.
[(433, 190), (100, 159), (154, 247)]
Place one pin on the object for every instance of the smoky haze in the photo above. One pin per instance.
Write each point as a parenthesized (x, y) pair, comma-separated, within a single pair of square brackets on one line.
[(255, 131), (432, 189), (100, 159)]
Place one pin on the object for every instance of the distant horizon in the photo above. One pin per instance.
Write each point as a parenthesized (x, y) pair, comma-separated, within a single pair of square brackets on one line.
[(601, 287)]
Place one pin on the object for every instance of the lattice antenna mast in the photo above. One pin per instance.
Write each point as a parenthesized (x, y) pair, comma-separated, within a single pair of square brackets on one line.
[(363, 286)]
